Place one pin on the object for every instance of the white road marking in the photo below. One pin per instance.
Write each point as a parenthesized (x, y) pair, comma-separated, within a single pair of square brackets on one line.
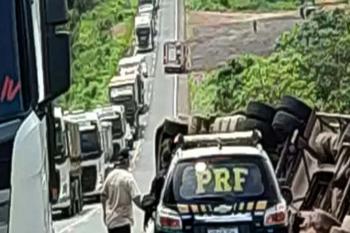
[(79, 221)]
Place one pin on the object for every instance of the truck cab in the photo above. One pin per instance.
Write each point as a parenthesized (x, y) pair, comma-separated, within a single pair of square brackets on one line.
[(144, 32), (93, 152), (30, 79), (129, 63), (67, 166), (121, 134), (126, 91), (154, 3)]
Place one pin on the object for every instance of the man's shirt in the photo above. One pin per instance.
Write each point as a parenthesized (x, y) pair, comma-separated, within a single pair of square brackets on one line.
[(119, 190)]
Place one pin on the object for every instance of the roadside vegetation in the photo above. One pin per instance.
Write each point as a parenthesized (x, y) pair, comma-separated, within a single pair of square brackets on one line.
[(311, 61), (101, 35), (230, 5)]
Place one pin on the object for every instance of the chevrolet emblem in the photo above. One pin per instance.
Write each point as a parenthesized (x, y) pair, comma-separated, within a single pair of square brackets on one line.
[(223, 209)]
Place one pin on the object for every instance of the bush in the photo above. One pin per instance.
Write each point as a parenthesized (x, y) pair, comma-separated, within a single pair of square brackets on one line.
[(96, 52), (311, 62)]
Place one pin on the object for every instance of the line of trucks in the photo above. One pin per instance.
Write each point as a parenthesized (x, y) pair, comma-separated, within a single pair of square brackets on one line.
[(86, 142)]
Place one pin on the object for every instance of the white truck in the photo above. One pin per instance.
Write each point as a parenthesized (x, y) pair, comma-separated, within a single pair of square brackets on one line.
[(121, 132), (67, 166), (93, 152), (144, 32), (137, 62), (34, 70)]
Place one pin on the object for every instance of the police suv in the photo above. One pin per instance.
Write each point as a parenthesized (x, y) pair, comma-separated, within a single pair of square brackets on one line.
[(220, 183)]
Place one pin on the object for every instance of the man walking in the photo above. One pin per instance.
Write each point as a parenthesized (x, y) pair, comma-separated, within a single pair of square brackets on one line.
[(119, 191)]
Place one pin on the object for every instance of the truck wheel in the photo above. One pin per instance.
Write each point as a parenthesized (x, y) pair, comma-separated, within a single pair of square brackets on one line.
[(79, 196), (260, 111), (295, 107), (74, 206), (69, 211), (284, 124), (268, 135)]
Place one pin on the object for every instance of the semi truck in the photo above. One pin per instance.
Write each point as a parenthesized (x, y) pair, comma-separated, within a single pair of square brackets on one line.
[(121, 133), (126, 90), (67, 166), (144, 32), (93, 152), (34, 71)]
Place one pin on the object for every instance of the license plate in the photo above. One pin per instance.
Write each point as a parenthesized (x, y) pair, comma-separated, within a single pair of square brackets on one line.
[(223, 230)]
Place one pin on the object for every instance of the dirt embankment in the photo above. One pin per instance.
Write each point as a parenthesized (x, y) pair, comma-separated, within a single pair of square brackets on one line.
[(217, 37)]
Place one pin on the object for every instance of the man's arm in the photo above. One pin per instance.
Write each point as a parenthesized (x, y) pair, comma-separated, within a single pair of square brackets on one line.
[(104, 197)]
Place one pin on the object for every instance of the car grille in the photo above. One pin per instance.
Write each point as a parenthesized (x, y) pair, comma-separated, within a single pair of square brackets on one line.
[(89, 178), (204, 228)]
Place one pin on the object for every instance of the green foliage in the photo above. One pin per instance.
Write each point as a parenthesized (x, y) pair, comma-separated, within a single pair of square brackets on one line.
[(224, 5), (311, 61), (96, 52)]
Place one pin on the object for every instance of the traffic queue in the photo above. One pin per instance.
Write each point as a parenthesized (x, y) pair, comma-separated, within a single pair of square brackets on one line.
[(87, 142)]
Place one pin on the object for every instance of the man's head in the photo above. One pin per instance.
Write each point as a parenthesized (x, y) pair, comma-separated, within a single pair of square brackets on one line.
[(122, 160)]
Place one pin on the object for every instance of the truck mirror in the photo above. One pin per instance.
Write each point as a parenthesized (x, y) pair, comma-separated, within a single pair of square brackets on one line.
[(57, 12), (59, 75)]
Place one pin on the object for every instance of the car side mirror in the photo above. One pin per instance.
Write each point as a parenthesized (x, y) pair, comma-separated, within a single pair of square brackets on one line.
[(287, 194), (56, 12)]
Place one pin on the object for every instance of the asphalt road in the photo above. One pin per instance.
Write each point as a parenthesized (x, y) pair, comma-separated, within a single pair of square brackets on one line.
[(161, 97)]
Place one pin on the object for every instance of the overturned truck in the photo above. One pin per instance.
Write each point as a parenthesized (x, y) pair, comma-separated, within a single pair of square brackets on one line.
[(309, 151)]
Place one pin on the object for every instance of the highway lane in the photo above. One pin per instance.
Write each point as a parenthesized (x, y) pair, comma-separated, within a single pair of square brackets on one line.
[(161, 97)]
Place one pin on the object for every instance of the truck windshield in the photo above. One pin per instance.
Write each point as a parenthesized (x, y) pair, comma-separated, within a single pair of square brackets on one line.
[(142, 32), (10, 85), (89, 141), (223, 178), (141, 2), (125, 91)]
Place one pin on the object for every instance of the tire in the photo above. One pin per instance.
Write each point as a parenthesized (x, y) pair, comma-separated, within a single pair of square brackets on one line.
[(80, 196), (284, 125), (268, 135), (69, 211), (295, 107), (260, 111)]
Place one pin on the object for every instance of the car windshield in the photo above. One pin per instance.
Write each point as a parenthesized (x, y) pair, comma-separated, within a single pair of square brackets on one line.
[(10, 87), (89, 141), (222, 177), (4, 210)]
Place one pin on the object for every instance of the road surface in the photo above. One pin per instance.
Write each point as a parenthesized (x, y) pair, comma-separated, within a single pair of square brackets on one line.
[(161, 96)]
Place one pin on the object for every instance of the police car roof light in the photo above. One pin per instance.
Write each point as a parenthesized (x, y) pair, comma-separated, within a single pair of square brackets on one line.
[(239, 138)]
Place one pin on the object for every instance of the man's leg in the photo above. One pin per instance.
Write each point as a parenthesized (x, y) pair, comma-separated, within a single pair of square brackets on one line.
[(123, 229)]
